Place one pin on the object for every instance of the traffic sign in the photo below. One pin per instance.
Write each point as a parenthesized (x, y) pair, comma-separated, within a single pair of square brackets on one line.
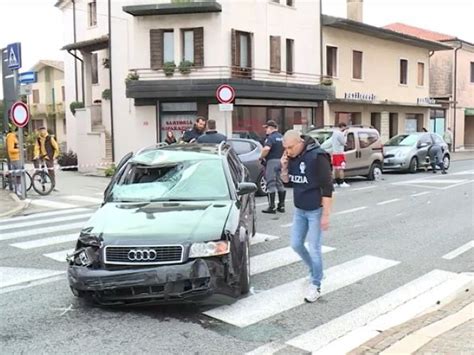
[(14, 55), (20, 114), (28, 77), (226, 107), (225, 94)]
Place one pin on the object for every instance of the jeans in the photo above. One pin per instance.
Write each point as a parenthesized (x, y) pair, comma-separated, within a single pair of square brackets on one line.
[(308, 223)]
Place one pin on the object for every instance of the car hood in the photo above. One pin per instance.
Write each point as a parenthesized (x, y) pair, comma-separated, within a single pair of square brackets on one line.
[(396, 149), (163, 222)]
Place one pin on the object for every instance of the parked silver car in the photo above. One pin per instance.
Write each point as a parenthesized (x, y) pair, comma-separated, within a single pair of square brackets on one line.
[(409, 151)]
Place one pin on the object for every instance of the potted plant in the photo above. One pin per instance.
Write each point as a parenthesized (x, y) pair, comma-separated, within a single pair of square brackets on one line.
[(326, 82), (131, 77), (169, 68), (75, 105), (106, 94), (106, 63), (185, 67)]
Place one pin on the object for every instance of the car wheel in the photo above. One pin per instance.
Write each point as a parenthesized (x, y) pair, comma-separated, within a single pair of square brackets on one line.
[(262, 186), (413, 168), (245, 272), (375, 172), (446, 162)]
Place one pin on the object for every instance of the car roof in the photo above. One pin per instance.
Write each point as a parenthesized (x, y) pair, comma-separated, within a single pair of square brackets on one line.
[(175, 153)]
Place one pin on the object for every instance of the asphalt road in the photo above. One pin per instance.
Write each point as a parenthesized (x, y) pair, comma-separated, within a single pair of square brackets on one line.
[(385, 237)]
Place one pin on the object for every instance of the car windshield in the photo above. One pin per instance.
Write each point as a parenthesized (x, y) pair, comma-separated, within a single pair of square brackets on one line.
[(193, 180), (403, 140)]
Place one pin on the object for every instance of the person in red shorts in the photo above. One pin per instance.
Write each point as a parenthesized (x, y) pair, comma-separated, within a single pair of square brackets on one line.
[(338, 156)]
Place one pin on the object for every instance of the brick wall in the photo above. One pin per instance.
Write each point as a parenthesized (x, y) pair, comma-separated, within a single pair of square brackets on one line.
[(441, 74)]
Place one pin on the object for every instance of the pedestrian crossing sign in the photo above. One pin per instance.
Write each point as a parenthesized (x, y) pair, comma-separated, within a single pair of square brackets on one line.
[(14, 55)]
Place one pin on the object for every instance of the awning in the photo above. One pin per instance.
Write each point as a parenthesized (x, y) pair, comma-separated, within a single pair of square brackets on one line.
[(91, 45), (174, 8)]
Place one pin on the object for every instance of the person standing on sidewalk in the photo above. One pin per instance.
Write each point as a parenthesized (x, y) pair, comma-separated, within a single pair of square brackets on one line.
[(448, 138), (46, 148), (211, 135), (191, 135), (271, 155), (338, 156), (308, 167), (13, 154)]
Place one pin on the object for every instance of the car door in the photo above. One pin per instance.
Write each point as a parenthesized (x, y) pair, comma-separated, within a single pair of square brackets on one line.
[(116, 176), (369, 151), (351, 152), (422, 147)]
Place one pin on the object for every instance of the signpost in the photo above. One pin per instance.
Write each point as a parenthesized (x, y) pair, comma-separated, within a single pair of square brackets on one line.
[(225, 94)]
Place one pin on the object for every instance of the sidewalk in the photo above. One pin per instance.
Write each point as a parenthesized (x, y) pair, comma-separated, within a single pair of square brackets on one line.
[(10, 204), (448, 330), (462, 155)]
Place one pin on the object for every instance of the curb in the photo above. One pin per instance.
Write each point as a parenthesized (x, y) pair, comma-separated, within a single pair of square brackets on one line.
[(21, 205)]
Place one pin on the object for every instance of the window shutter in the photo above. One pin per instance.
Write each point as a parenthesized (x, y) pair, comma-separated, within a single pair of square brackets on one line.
[(199, 47), (275, 54), (235, 53), (156, 49)]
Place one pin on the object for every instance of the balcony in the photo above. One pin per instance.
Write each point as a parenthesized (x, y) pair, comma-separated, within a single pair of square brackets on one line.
[(149, 83), (176, 7), (46, 109)]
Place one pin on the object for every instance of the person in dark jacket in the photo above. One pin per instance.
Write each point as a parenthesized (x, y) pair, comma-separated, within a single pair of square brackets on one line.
[(170, 138), (308, 167), (436, 158), (212, 136), (194, 133)]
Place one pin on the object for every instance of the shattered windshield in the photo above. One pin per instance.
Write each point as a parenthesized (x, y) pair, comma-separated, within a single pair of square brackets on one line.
[(403, 140), (194, 180)]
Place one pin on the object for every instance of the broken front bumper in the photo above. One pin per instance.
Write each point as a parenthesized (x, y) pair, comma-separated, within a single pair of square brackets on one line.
[(193, 281)]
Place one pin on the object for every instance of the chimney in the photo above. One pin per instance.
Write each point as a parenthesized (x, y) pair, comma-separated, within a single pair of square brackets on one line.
[(354, 10)]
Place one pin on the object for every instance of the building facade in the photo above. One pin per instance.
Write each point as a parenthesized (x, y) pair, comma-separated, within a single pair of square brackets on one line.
[(168, 58), (451, 83)]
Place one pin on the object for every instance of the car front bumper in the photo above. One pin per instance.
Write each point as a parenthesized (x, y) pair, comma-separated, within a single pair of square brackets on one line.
[(395, 164), (193, 281)]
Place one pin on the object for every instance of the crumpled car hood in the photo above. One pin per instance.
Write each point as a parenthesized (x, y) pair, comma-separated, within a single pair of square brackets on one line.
[(159, 222)]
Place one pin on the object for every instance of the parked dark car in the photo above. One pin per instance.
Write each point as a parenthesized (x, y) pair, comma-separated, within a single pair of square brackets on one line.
[(249, 152), (175, 226)]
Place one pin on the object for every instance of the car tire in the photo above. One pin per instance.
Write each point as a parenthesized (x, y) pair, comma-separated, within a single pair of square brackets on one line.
[(413, 167), (375, 172), (262, 186), (245, 272), (446, 162)]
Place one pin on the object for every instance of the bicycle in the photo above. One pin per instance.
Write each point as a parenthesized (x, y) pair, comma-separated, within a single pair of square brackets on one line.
[(41, 180), (7, 178)]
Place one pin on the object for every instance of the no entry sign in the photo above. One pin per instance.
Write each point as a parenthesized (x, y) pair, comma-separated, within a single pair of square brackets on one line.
[(19, 114), (225, 94)]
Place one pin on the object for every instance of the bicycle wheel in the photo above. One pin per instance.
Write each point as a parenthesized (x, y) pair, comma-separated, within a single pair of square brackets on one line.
[(42, 183), (28, 181)]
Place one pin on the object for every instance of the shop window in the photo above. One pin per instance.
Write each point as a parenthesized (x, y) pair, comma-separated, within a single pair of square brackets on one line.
[(357, 65), (376, 120), (393, 124), (331, 61), (403, 71)]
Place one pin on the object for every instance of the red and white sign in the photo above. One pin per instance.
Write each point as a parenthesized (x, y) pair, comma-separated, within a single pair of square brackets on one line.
[(225, 94), (19, 114)]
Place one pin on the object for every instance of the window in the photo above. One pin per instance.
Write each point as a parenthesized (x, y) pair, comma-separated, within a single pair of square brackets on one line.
[(290, 52), (366, 139), (168, 46), (36, 97), (421, 74), (47, 74), (241, 54), (275, 54), (95, 68), (356, 65), (63, 94), (188, 45), (92, 13), (350, 142), (472, 72), (331, 61), (290, 3), (425, 139), (403, 71), (244, 46), (242, 147)]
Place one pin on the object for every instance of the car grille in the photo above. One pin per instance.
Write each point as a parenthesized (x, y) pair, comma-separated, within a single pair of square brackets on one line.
[(155, 255)]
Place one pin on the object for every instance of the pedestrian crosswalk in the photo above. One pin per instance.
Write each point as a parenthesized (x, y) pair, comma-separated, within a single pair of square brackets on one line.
[(52, 235)]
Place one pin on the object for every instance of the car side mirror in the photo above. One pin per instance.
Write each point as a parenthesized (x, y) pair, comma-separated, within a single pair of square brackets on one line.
[(245, 188)]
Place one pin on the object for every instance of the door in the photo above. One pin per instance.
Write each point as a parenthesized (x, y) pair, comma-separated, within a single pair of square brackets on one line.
[(351, 153), (423, 145), (367, 150)]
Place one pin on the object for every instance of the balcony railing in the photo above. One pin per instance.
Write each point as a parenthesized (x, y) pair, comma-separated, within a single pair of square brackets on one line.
[(222, 72), (46, 109)]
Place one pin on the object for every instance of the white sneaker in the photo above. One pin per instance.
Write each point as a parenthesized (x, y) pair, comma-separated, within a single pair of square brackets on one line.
[(312, 294), (345, 184), (336, 186)]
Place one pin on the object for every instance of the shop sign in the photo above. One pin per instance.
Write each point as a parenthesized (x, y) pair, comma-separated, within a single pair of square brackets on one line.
[(178, 125), (359, 96), (425, 101)]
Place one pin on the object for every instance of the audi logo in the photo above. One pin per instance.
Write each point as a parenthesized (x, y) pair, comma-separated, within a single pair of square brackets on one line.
[(142, 255)]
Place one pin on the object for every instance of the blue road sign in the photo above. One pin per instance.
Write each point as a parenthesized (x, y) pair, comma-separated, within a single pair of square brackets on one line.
[(28, 77), (14, 55)]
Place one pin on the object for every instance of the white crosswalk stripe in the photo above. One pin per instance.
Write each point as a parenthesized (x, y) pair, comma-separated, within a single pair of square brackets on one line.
[(38, 243), (10, 276), (42, 231), (45, 221), (59, 255), (84, 199), (50, 203), (461, 250), (35, 216)]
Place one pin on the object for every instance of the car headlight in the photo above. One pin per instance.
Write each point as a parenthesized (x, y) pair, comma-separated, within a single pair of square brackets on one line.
[(202, 250)]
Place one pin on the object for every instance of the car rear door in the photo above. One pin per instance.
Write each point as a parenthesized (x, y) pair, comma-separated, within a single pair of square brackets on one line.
[(369, 150), (424, 143), (351, 152)]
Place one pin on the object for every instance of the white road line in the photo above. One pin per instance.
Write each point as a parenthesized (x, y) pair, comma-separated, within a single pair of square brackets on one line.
[(461, 250), (261, 238), (59, 255), (42, 231), (277, 258), (267, 349), (351, 210), (286, 225), (43, 214), (431, 181), (456, 185), (421, 193), (363, 188), (83, 199), (10, 276), (467, 172), (330, 333), (271, 302), (38, 243), (45, 221), (388, 201), (33, 283), (50, 204)]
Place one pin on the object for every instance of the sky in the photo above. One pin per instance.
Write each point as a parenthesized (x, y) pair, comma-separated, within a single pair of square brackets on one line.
[(37, 23)]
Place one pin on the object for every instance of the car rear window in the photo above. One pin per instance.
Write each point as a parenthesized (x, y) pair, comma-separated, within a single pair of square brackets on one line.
[(241, 147)]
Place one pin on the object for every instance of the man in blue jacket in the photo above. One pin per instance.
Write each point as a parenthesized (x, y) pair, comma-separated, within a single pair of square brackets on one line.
[(309, 168), (211, 135)]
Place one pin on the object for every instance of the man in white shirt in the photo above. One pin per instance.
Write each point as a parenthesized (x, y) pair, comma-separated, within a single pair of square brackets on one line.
[(338, 156)]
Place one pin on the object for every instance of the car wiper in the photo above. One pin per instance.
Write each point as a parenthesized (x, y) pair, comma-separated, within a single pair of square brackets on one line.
[(182, 199), (132, 200)]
